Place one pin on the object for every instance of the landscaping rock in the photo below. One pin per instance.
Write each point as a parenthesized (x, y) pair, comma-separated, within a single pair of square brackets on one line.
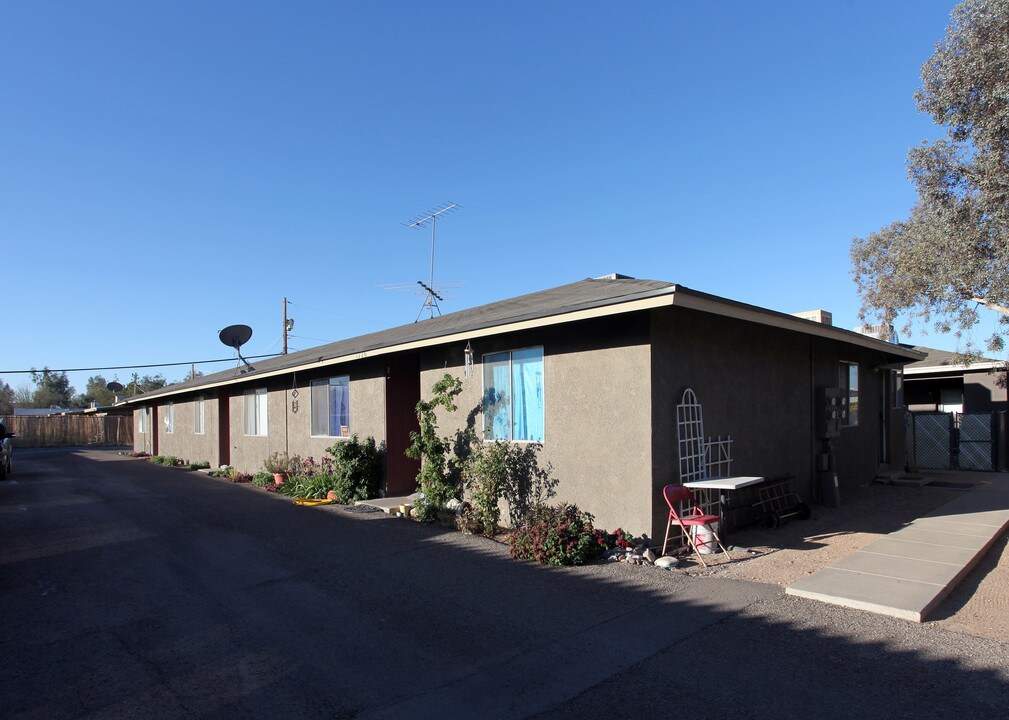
[(667, 561), (649, 556)]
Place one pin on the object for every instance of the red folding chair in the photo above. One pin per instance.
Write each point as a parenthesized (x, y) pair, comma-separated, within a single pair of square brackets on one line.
[(676, 494)]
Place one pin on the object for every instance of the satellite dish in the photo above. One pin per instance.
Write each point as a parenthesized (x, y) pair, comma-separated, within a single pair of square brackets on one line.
[(114, 386), (235, 336)]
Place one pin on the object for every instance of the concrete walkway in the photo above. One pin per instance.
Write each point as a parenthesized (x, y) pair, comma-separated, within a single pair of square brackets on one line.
[(907, 573)]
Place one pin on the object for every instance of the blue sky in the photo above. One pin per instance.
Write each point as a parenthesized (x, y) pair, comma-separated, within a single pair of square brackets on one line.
[(170, 168)]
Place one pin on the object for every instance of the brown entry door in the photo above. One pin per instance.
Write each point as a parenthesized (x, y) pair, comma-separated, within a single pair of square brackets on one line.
[(402, 393)]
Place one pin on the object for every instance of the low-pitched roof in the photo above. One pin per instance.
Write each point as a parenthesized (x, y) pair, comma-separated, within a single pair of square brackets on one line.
[(936, 360), (595, 297)]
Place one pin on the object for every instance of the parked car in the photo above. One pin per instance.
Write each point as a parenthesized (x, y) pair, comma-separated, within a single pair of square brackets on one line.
[(6, 450)]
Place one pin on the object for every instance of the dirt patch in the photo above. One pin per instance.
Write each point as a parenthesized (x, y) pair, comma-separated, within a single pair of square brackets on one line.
[(978, 606)]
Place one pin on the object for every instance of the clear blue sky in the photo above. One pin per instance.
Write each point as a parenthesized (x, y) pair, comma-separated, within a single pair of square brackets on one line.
[(170, 168)]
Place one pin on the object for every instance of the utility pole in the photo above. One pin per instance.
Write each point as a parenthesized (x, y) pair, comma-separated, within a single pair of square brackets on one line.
[(288, 325)]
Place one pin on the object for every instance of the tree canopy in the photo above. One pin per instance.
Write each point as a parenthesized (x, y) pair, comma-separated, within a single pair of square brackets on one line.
[(947, 263), (51, 389)]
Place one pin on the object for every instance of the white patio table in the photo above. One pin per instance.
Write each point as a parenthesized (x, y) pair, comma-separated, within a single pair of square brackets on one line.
[(715, 494)]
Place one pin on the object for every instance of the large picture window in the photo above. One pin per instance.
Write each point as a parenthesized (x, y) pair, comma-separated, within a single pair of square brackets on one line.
[(255, 412), (513, 395), (331, 407), (849, 385)]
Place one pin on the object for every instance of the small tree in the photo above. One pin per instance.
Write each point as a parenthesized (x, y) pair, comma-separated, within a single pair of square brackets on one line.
[(436, 486)]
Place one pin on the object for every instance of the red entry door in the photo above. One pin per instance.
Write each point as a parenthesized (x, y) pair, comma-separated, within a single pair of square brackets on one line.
[(402, 393)]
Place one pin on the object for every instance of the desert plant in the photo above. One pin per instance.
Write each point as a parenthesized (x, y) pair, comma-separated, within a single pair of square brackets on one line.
[(560, 535), (436, 485)]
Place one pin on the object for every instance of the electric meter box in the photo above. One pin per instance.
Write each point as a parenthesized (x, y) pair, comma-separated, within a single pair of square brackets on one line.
[(832, 412)]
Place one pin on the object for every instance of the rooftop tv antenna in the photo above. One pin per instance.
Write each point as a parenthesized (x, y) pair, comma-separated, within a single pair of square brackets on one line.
[(235, 336), (431, 298)]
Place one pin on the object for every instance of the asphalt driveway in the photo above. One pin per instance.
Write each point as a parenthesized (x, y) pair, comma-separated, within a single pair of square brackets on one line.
[(132, 590)]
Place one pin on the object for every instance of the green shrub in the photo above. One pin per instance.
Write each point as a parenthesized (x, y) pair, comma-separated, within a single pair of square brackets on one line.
[(436, 485), (561, 535), (353, 470), (202, 465), (485, 475), (167, 460), (357, 469), (261, 479), (313, 486)]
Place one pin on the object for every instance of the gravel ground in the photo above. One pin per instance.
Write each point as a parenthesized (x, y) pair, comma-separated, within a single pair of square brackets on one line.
[(978, 606)]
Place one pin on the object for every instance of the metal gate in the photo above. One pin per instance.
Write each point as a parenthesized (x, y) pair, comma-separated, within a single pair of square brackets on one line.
[(976, 442), (933, 440), (946, 441)]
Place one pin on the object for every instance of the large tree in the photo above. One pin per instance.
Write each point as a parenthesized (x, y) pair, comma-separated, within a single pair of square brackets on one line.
[(96, 391), (51, 388), (6, 399), (948, 263)]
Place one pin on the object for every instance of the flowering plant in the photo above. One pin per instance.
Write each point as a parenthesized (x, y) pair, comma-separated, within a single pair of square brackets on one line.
[(561, 535)]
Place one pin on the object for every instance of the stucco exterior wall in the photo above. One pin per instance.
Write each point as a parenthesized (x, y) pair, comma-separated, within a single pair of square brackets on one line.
[(596, 411), (367, 409), (290, 431), (981, 392), (758, 384), (184, 442), (142, 441)]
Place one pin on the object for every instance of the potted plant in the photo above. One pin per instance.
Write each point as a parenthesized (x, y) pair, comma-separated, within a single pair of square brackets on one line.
[(281, 465)]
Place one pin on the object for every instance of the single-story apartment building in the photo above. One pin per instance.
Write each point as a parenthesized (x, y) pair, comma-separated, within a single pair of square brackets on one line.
[(939, 382), (591, 372)]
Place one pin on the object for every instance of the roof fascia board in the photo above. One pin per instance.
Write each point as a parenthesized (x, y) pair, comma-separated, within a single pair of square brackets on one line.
[(663, 299), (703, 302), (674, 295), (924, 370)]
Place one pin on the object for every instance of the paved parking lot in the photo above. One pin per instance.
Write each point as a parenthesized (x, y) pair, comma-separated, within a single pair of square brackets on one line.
[(130, 590)]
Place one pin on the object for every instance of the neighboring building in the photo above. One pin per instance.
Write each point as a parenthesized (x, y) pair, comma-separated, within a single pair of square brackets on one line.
[(41, 412), (938, 383), (592, 370)]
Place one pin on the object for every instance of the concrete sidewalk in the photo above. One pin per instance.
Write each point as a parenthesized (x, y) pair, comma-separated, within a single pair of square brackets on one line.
[(907, 573)]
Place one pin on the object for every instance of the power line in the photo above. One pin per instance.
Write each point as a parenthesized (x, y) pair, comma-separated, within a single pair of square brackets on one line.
[(130, 367)]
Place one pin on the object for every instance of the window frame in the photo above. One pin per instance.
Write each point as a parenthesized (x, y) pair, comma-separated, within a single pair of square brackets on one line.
[(170, 418), (851, 398), (488, 429), (199, 416), (142, 421), (260, 413), (344, 431)]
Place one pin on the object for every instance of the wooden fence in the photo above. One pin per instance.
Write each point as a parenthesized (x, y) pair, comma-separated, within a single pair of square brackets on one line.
[(69, 430)]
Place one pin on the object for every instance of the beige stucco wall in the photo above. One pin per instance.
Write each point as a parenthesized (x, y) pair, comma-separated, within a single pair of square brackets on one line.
[(597, 412), (184, 442), (291, 431), (142, 441)]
